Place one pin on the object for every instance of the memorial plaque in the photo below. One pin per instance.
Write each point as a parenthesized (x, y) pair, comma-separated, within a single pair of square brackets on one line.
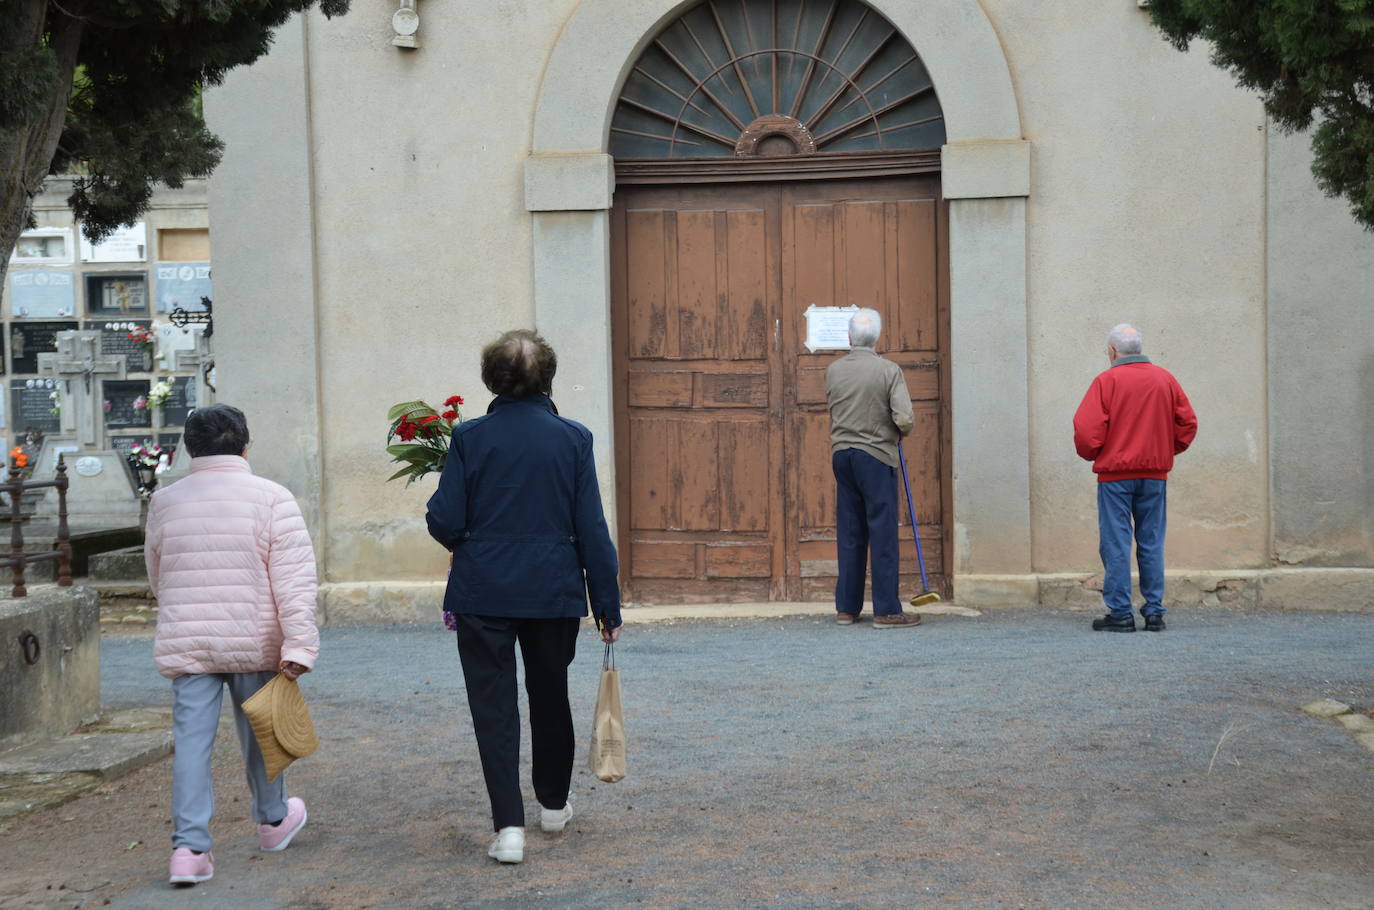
[(128, 243), (115, 341), (42, 293), (182, 284), (182, 402), (116, 294), (29, 339), (120, 396), (31, 405)]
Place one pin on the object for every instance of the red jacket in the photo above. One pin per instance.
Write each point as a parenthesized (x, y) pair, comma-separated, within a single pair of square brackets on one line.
[(1133, 421)]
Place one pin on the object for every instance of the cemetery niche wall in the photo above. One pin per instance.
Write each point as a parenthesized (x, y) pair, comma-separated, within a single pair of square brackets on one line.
[(92, 361)]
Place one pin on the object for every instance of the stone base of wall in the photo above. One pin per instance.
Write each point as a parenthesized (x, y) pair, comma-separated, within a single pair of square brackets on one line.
[(1339, 590), (1332, 590), (60, 691)]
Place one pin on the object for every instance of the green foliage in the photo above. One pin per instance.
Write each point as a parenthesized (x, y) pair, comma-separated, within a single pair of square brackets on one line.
[(136, 69), (1312, 61)]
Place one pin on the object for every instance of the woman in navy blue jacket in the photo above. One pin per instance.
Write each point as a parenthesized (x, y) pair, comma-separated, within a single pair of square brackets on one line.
[(519, 508)]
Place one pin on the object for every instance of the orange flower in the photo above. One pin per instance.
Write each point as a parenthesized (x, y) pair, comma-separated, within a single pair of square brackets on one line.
[(21, 460)]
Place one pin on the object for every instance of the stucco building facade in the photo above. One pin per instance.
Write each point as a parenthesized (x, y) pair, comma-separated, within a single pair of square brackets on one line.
[(382, 212)]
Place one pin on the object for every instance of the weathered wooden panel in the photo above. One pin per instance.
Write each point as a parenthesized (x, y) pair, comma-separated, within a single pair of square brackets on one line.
[(923, 463), (664, 560), (816, 497), (653, 461), (697, 304), (744, 475), (648, 295), (813, 257), (739, 561), (655, 389), (748, 261), (862, 262), (917, 323), (732, 390), (698, 475), (922, 377)]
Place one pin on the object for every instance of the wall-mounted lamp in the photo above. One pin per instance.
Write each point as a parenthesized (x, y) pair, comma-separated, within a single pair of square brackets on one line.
[(405, 22)]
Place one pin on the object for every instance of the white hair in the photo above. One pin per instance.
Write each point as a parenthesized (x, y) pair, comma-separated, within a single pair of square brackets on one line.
[(1126, 338), (864, 328)]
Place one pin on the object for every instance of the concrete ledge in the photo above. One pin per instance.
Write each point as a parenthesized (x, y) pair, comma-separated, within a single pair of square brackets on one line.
[(1338, 590), (569, 183), (61, 689), (985, 169), (1327, 590)]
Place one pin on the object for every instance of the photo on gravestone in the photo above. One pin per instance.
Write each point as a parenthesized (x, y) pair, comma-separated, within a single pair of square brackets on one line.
[(115, 341), (29, 339), (32, 403), (114, 295), (182, 402), (126, 403)]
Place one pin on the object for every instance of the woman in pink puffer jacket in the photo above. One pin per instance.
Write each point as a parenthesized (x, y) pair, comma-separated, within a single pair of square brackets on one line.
[(231, 565)]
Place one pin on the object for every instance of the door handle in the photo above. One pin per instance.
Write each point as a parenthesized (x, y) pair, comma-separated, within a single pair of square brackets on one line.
[(777, 334)]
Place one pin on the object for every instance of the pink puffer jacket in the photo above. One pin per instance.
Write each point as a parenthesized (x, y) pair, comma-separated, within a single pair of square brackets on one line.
[(230, 563)]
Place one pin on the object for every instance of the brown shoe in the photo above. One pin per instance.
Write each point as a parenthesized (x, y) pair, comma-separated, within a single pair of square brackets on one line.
[(897, 621), (846, 619)]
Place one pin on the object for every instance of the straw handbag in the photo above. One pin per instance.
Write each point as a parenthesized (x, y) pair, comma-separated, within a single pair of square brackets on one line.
[(281, 724)]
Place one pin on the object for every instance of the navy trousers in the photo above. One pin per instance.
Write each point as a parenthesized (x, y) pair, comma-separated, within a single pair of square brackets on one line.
[(486, 646), (1121, 506), (866, 519)]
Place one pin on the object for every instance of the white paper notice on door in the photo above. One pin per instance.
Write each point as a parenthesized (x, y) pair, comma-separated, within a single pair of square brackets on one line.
[(827, 327)]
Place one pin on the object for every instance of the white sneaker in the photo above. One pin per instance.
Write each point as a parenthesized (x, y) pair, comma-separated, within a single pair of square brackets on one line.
[(554, 820), (509, 846)]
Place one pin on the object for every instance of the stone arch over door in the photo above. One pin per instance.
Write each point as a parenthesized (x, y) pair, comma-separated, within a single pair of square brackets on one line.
[(569, 181)]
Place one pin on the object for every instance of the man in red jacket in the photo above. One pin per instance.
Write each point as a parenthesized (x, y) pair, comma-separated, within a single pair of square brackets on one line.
[(1133, 421)]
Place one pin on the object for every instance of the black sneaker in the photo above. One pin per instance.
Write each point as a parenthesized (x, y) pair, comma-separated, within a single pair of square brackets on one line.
[(1110, 623), (1154, 623)]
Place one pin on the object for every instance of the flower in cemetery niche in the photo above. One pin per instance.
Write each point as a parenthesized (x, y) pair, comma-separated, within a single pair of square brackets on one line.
[(55, 396), (148, 459), (145, 339), (159, 395), (141, 403), (424, 434)]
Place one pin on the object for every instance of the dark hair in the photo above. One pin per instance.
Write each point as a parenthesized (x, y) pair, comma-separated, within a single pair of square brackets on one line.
[(219, 429), (519, 364)]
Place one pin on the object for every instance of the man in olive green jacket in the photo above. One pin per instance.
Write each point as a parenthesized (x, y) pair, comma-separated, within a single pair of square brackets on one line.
[(870, 412)]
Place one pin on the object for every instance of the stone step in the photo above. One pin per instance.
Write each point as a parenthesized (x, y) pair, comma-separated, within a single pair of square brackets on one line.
[(123, 565)]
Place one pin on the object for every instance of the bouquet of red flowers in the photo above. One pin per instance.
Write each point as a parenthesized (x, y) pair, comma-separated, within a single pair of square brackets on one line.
[(424, 436)]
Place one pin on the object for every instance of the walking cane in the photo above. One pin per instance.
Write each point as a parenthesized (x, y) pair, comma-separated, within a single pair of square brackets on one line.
[(926, 596)]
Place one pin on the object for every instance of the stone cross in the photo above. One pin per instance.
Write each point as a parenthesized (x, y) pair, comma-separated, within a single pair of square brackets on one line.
[(197, 361), (81, 367)]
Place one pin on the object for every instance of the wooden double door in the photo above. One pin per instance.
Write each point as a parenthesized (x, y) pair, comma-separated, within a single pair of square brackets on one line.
[(724, 483)]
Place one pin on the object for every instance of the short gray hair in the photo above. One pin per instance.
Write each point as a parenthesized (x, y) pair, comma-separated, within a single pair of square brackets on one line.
[(1126, 338), (864, 328)]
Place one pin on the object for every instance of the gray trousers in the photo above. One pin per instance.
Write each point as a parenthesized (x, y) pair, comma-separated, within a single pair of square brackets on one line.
[(195, 719)]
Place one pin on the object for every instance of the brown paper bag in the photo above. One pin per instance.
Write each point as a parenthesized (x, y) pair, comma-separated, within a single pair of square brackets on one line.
[(606, 757)]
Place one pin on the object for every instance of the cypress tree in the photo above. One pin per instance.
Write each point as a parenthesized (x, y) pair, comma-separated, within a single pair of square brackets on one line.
[(1312, 61), (109, 90)]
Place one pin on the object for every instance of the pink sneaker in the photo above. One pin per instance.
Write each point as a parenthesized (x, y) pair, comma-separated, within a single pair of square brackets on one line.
[(274, 839), (187, 868)]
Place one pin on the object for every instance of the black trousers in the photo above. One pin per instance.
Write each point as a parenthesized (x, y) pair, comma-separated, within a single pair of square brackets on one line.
[(486, 646)]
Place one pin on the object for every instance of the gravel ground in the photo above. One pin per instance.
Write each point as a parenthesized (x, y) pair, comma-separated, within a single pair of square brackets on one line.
[(1011, 760)]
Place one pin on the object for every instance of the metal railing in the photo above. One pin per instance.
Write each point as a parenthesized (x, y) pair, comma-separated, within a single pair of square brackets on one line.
[(18, 560)]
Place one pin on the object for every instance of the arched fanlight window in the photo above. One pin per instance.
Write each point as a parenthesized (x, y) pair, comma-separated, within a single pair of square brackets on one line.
[(774, 78)]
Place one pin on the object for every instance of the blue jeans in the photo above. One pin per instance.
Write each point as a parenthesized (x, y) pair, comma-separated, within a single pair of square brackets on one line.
[(1120, 503), (866, 518)]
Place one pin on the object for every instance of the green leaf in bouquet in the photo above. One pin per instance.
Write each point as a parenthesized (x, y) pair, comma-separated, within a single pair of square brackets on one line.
[(410, 409)]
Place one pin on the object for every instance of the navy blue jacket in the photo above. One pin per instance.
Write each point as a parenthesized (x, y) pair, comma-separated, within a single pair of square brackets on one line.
[(518, 505)]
